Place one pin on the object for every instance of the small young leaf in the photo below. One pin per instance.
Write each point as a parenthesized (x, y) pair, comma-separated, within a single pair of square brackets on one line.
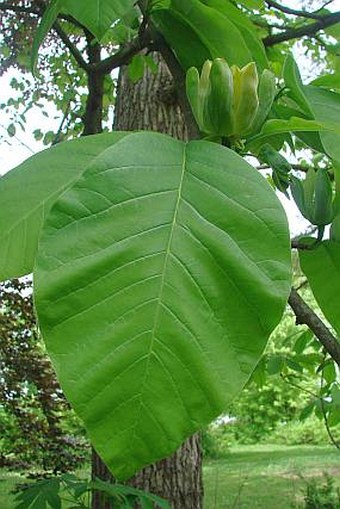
[(326, 109), (275, 364), (136, 68), (302, 341), (329, 372), (45, 25), (153, 66), (336, 396), (294, 365), (11, 130), (307, 411), (334, 417), (294, 83)]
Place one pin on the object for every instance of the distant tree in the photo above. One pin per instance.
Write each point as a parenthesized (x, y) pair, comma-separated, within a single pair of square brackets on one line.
[(33, 408)]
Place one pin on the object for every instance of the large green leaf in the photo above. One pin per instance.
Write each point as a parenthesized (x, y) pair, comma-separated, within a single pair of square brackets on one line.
[(199, 25), (97, 15), (311, 138), (252, 4), (160, 275), (326, 108), (276, 126), (335, 227), (334, 31), (248, 30), (296, 124), (293, 81), (188, 47), (49, 17), (322, 268), (327, 81), (28, 192)]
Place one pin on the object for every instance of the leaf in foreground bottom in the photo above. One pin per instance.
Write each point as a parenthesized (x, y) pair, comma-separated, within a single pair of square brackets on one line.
[(160, 275)]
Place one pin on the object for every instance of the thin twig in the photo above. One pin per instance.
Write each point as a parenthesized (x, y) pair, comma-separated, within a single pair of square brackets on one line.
[(303, 284), (72, 47), (296, 244), (124, 55), (287, 379), (19, 140), (296, 167), (323, 410), (305, 30), (61, 125), (324, 5), (319, 398), (305, 315)]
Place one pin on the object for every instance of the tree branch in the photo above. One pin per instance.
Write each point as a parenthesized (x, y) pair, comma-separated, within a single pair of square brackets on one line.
[(296, 244), (124, 55), (71, 47), (93, 116), (293, 12), (305, 30), (305, 315)]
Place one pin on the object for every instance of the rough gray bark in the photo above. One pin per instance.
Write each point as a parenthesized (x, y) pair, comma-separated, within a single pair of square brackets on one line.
[(178, 478), (151, 104)]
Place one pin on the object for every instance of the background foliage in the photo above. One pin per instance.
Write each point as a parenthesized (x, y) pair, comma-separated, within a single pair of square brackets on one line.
[(38, 428)]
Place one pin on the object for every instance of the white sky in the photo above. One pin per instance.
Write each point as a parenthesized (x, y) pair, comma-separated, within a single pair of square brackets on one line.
[(15, 150)]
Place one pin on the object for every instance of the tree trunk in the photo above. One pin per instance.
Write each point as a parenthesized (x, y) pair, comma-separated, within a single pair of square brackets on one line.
[(151, 104), (95, 81), (99, 471), (178, 478)]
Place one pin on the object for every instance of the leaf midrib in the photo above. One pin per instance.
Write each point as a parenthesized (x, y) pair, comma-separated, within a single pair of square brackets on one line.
[(160, 294)]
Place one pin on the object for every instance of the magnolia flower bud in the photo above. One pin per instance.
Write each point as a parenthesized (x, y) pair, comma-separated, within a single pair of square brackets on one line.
[(229, 102)]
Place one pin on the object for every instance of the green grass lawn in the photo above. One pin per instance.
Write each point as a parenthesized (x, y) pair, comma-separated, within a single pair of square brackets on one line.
[(250, 477), (266, 477)]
